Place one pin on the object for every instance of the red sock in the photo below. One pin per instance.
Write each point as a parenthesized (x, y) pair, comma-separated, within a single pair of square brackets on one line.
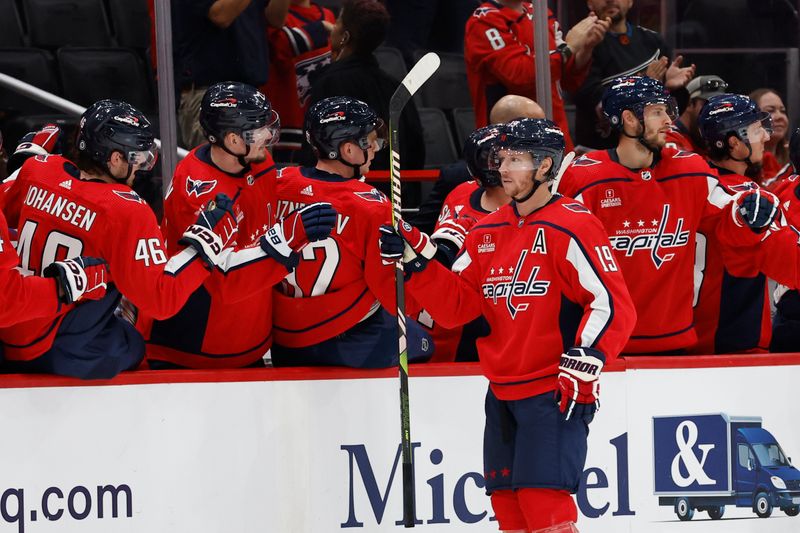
[(507, 510), (546, 507)]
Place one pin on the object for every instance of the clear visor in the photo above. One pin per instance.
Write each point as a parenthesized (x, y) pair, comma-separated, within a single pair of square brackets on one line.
[(266, 135), (377, 138), (143, 160), (668, 107), (513, 160), (761, 130)]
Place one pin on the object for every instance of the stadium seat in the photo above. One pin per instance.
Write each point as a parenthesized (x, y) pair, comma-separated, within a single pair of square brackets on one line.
[(90, 74), (55, 23), (439, 147), (130, 22), (464, 119), (10, 25), (447, 88), (391, 61), (30, 65)]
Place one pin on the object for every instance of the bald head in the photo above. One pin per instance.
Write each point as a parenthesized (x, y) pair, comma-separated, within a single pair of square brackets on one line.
[(513, 106)]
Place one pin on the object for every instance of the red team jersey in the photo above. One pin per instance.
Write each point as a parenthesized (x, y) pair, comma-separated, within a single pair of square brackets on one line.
[(228, 321), (678, 139), (23, 297), (652, 216), (298, 50), (498, 49), (463, 202), (544, 283), (59, 216), (340, 280)]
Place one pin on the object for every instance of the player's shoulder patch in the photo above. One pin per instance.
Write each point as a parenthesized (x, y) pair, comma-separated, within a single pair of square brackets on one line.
[(199, 187), (483, 11), (585, 161), (743, 187), (575, 207), (683, 154), (373, 195), (130, 196)]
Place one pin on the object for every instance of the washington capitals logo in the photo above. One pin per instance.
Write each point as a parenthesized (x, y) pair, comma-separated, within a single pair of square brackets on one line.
[(510, 286), (130, 196), (199, 187), (483, 11), (372, 196), (584, 161), (654, 240), (683, 154), (576, 208)]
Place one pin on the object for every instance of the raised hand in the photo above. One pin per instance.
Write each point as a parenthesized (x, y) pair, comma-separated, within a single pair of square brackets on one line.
[(215, 230)]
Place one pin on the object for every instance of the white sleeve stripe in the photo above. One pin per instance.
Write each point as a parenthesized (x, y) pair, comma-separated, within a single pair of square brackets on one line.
[(717, 196), (602, 312), (233, 259), (290, 35), (462, 262), (180, 260)]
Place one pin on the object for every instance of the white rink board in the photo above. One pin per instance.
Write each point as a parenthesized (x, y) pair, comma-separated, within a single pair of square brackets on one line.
[(316, 456)]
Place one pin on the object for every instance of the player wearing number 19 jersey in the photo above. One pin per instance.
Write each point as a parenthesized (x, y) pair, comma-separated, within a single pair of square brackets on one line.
[(335, 308), (61, 211)]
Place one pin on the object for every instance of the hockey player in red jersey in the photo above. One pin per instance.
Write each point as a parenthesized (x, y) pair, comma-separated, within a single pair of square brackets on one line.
[(652, 201), (464, 206), (335, 308), (240, 125), (732, 311), (500, 59), (298, 50), (62, 209), (541, 271)]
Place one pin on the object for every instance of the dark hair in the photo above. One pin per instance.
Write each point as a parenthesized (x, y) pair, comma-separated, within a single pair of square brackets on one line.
[(367, 21)]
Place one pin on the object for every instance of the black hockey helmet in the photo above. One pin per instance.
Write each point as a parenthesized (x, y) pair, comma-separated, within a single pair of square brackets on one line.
[(332, 121), (634, 93), (109, 126), (231, 106), (476, 154), (728, 115)]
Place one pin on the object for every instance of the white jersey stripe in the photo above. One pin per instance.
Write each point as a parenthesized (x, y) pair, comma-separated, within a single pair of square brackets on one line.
[(600, 316)]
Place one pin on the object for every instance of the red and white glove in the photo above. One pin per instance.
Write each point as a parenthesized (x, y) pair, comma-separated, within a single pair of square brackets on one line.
[(42, 142), (756, 208), (454, 230), (215, 230), (80, 278), (578, 391), (409, 244), (311, 223)]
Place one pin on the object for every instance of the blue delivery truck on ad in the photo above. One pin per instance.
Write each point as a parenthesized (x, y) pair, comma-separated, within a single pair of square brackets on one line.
[(705, 462)]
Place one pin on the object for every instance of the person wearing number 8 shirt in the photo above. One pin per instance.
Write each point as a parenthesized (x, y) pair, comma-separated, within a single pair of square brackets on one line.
[(336, 307), (540, 270), (227, 322), (498, 50), (63, 209)]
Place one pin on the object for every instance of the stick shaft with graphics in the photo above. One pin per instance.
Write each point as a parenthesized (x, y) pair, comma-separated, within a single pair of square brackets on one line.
[(418, 75)]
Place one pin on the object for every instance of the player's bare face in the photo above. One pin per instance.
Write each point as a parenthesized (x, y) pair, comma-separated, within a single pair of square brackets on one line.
[(657, 123), (516, 169)]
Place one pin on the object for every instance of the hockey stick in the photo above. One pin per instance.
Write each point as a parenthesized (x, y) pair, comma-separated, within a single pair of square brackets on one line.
[(418, 75), (563, 168)]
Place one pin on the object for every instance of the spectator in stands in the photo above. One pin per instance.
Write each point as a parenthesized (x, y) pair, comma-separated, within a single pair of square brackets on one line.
[(508, 108), (337, 307), (355, 72), (436, 25), (776, 163), (626, 50), (500, 58), (685, 133), (298, 48), (215, 40)]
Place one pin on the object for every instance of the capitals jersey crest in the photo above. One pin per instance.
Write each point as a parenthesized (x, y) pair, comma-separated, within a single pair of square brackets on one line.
[(584, 161), (372, 196), (130, 196), (512, 284), (199, 187)]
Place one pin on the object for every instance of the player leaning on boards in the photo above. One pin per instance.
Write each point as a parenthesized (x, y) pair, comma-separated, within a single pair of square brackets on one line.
[(336, 307), (540, 270), (652, 200), (88, 207), (732, 311), (240, 125)]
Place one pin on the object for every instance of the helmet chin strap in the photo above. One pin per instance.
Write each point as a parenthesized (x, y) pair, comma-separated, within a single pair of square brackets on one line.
[(536, 185), (640, 138), (240, 158), (356, 167)]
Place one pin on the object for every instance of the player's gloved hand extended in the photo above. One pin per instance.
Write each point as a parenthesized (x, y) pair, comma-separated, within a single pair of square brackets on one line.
[(756, 208), (215, 230), (578, 391), (42, 142), (454, 231), (80, 278), (409, 244), (311, 223)]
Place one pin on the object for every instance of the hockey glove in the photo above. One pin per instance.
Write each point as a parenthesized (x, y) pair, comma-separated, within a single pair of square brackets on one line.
[(311, 223), (411, 245), (756, 208), (449, 238), (42, 142), (81, 278), (214, 230), (578, 391)]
